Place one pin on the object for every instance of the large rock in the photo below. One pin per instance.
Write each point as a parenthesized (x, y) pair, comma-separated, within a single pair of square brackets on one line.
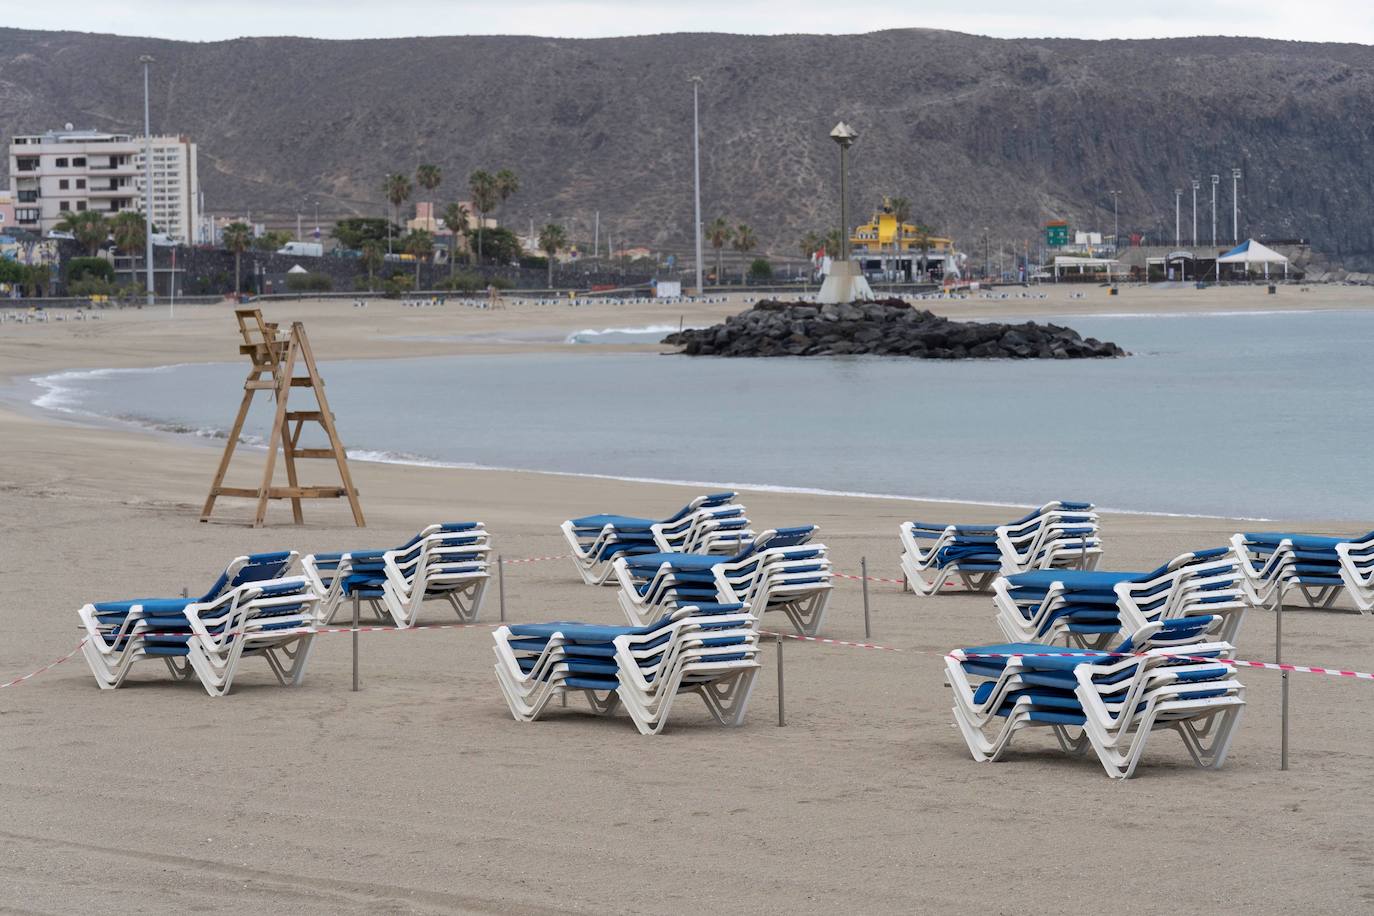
[(892, 327)]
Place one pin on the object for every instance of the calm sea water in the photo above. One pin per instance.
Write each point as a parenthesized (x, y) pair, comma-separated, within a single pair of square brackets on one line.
[(1256, 415)]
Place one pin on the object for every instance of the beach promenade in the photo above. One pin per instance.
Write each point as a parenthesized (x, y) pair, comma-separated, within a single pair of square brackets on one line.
[(419, 794)]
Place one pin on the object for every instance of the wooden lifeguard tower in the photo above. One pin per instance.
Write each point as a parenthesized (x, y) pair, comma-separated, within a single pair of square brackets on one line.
[(276, 357)]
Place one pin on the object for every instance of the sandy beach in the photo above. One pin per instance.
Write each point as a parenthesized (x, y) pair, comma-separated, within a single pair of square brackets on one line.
[(420, 794)]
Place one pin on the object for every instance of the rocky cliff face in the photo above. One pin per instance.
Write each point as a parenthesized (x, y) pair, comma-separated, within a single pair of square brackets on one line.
[(885, 328), (975, 131)]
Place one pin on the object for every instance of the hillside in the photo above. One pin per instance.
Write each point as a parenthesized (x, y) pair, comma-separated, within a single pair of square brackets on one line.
[(976, 131)]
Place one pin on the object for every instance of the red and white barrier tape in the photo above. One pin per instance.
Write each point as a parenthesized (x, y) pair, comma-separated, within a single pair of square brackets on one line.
[(48, 667), (840, 575), (561, 556), (1233, 662), (834, 642)]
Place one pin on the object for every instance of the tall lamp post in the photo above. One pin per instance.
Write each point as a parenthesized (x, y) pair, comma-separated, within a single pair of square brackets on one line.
[(844, 283), (1235, 206), (1215, 180), (1178, 218), (696, 177), (1116, 221), (845, 136), (147, 61), (1196, 184)]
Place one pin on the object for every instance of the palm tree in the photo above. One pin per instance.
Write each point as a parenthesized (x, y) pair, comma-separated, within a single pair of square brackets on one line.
[(87, 226), (373, 258), (485, 197), (833, 245), (718, 234), (922, 241), (238, 238), (551, 238), (810, 243), (428, 176), (507, 183), (745, 242), (397, 189), (456, 219), (420, 243), (901, 211), (128, 231)]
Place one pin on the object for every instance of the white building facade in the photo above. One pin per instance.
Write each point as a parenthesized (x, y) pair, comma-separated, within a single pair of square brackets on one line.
[(71, 171)]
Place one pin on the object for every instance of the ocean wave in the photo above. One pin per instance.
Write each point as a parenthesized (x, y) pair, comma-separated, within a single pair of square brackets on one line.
[(61, 390), (578, 337), (1239, 313)]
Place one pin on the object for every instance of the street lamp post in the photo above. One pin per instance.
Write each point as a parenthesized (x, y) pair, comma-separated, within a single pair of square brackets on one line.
[(146, 61), (1235, 206), (696, 177), (845, 136), (1116, 221), (1178, 218), (987, 254), (1215, 179), (1196, 184)]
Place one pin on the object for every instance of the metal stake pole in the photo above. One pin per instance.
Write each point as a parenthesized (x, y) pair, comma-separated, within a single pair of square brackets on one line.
[(357, 603), (1283, 675), (863, 569), (501, 584), (781, 720)]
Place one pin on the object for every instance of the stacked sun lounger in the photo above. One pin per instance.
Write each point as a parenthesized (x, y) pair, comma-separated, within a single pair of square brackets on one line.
[(1058, 535), (708, 651), (1161, 677), (711, 524), (250, 610), (1319, 567), (1089, 607), (444, 562), (780, 570)]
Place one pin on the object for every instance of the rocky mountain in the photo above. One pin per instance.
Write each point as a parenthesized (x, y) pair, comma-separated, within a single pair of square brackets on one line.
[(977, 132)]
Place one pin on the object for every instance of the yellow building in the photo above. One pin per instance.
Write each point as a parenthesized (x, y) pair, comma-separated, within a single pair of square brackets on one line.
[(895, 252)]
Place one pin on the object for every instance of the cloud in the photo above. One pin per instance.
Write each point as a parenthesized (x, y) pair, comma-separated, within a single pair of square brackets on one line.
[(217, 20)]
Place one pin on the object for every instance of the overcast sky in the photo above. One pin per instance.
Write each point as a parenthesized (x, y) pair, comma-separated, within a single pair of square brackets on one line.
[(216, 20)]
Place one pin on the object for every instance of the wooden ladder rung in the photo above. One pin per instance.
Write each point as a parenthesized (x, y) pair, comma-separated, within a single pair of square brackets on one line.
[(312, 453), (235, 491), (302, 381), (304, 492), (260, 385), (304, 415)]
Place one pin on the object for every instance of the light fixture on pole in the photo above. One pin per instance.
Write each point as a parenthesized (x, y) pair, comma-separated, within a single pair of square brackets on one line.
[(1196, 184), (1178, 218), (147, 61), (696, 179), (1235, 206), (1116, 220), (1215, 180), (845, 282)]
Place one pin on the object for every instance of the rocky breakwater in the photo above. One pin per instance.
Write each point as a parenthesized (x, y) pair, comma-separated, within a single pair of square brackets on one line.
[(886, 328)]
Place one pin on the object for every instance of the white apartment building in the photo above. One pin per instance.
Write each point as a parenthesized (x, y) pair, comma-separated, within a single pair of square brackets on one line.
[(59, 172)]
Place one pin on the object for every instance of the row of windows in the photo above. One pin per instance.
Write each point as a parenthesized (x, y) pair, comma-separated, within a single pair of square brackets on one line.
[(77, 162)]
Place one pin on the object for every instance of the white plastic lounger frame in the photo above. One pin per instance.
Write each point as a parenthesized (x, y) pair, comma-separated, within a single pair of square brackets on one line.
[(1189, 586), (1357, 569), (708, 524), (1121, 701), (651, 673), (275, 620), (1053, 537), (456, 574)]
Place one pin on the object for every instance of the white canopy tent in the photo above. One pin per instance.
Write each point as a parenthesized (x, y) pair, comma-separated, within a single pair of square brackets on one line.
[(1068, 262), (1251, 252)]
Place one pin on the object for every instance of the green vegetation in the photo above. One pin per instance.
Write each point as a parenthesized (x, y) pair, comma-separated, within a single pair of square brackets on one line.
[(373, 257), (397, 189), (237, 237), (87, 226), (356, 231), (419, 244), (745, 242), (719, 234), (78, 269), (501, 244), (455, 217), (272, 240), (760, 270), (551, 238), (310, 282)]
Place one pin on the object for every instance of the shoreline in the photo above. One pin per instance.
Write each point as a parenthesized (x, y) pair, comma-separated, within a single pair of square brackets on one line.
[(867, 770)]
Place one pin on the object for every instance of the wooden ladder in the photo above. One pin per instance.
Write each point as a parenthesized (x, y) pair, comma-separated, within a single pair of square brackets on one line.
[(275, 357)]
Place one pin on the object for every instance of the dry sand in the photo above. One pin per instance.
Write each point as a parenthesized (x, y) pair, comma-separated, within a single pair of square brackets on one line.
[(420, 794)]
